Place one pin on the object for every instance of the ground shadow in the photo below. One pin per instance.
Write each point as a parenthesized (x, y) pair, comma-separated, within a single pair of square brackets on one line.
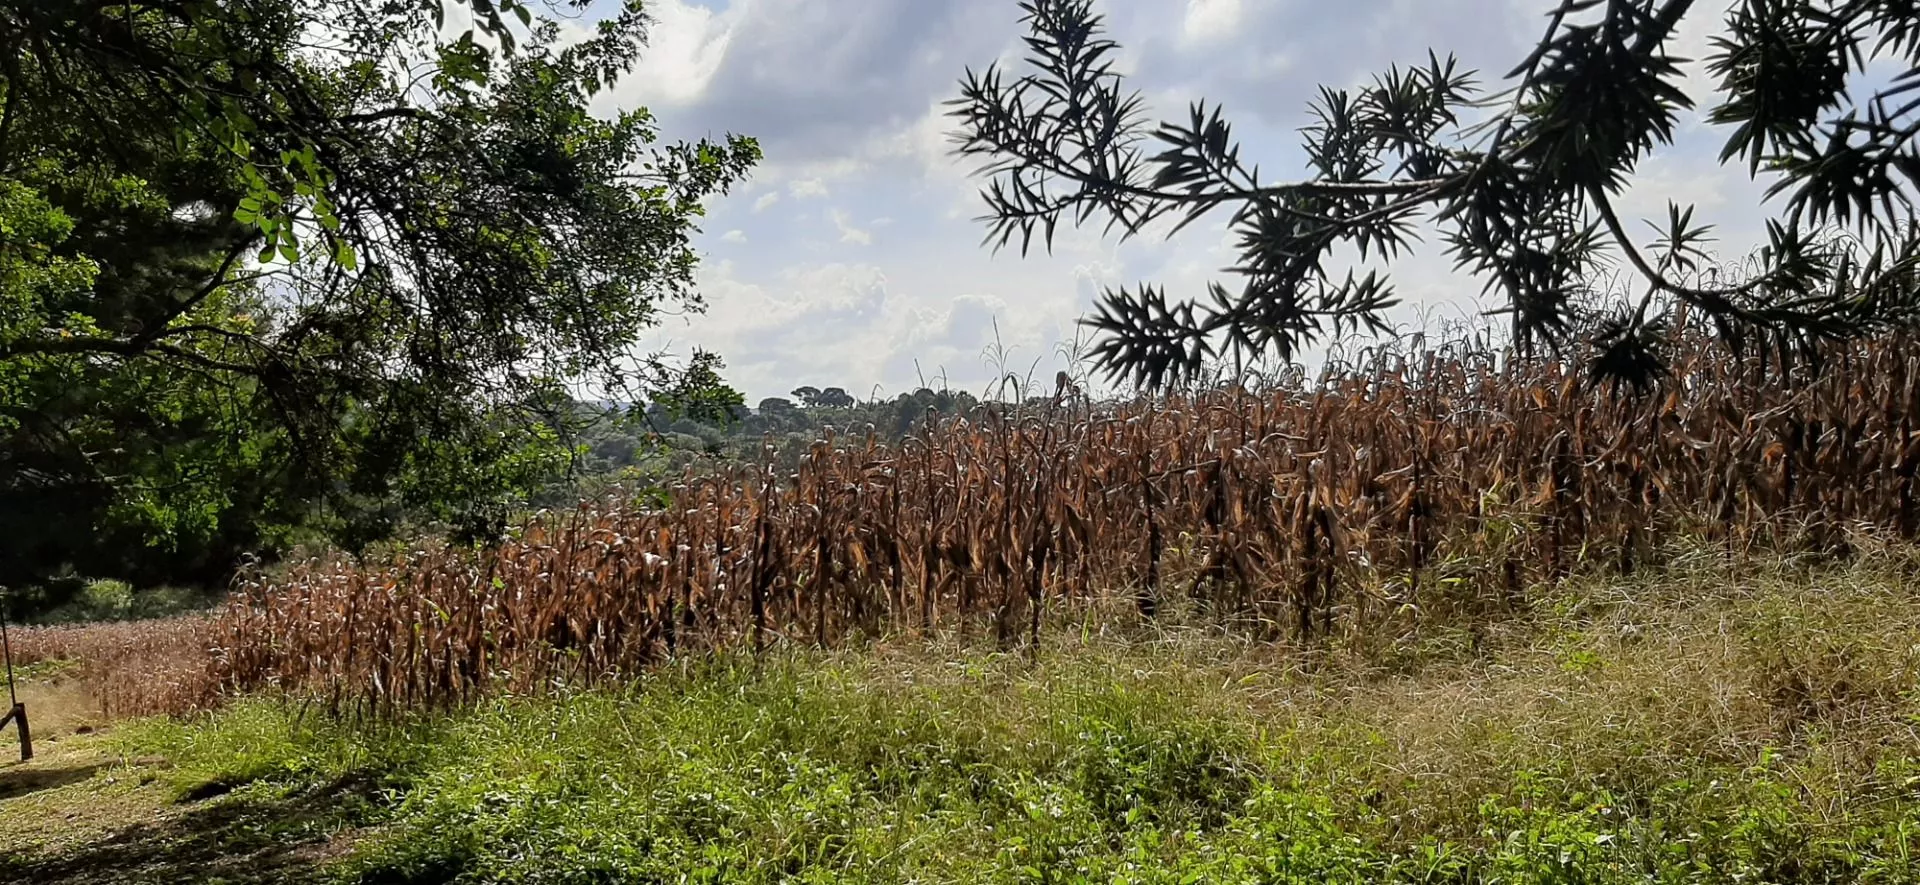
[(234, 839), (17, 782)]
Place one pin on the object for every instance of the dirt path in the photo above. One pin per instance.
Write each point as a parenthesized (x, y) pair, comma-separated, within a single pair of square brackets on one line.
[(78, 813)]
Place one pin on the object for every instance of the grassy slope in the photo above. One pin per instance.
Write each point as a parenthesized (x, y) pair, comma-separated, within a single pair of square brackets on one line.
[(1705, 725)]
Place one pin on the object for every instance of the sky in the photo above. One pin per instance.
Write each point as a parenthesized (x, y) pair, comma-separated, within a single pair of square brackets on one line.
[(853, 257)]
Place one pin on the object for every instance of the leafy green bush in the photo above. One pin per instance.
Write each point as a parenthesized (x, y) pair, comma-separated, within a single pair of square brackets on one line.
[(75, 600)]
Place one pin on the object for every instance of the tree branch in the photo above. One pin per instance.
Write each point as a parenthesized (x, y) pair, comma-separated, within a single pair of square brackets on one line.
[(213, 284), (130, 348), (1715, 300)]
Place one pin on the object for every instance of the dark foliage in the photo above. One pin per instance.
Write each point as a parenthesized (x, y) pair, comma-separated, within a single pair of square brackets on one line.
[(1521, 183), (275, 266)]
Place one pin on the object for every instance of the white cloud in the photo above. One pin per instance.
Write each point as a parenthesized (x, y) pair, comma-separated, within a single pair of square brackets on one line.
[(686, 46), (807, 187), (766, 201), (822, 324), (734, 236), (1208, 21), (811, 78), (849, 233)]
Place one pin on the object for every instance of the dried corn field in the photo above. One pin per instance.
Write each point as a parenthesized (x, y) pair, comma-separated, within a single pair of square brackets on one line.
[(1298, 510), (130, 668)]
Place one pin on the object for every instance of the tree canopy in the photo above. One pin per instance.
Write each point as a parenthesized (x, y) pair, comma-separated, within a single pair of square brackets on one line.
[(1521, 182), (271, 264), (829, 398)]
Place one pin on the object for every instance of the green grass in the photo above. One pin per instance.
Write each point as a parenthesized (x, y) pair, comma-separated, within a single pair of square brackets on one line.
[(1711, 724)]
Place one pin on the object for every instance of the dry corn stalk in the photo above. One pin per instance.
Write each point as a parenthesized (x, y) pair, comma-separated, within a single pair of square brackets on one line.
[(1268, 506)]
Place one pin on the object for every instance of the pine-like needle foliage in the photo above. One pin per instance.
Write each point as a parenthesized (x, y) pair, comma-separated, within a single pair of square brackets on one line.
[(1521, 183)]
